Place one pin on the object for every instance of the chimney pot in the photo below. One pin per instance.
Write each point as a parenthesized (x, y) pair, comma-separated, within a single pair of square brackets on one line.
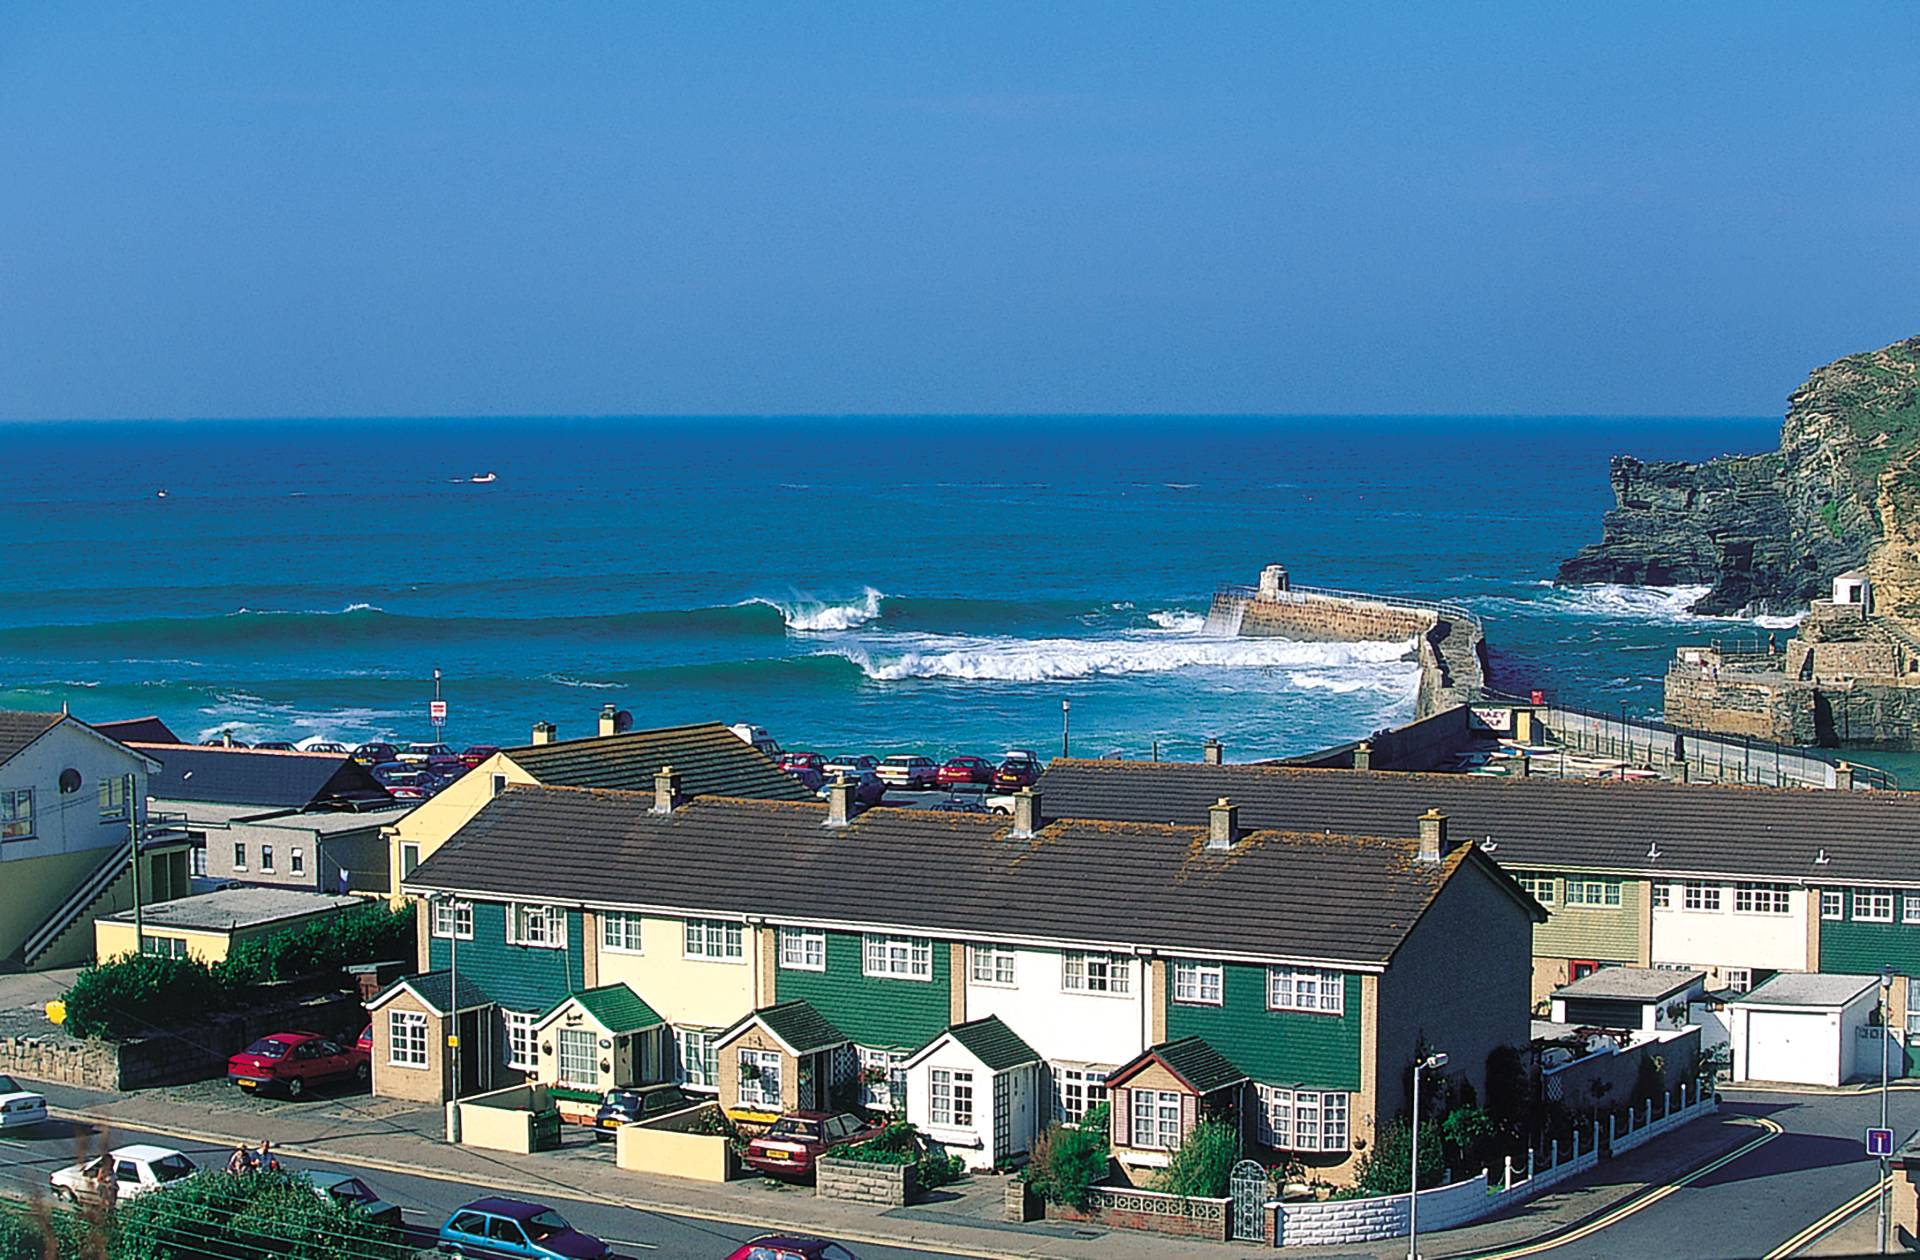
[(609, 720), (543, 732), (1363, 755), (1027, 820), (1212, 753), (1223, 824), (1843, 777), (1433, 836), (666, 790), (840, 802)]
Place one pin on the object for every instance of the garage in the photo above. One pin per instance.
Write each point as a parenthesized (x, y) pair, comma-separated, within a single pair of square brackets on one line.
[(1804, 1029)]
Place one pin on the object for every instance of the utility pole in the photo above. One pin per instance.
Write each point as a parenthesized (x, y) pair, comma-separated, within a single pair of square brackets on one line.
[(1886, 1033), (133, 858), (1066, 724)]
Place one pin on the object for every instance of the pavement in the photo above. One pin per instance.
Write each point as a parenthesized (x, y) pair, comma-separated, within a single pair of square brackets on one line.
[(397, 1147)]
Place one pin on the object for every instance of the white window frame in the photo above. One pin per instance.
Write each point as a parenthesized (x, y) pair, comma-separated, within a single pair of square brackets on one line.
[(239, 855), (756, 1091), (631, 936), (1156, 1119), (522, 918), (950, 1098), (714, 940), (570, 1039), (1697, 896), (1199, 983), (1833, 904), (803, 949), (690, 1044), (1078, 1090), (887, 957), (406, 1039), (1593, 894), (450, 917), (266, 858), (993, 965), (1088, 971), (297, 861), (18, 818), (1307, 990), (1662, 896), (887, 1095), (1737, 979), (1760, 897), (1913, 1006), (1909, 908), (1539, 887), (1874, 897), (520, 1046)]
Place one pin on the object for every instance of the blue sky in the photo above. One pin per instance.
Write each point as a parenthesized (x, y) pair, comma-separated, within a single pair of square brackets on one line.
[(267, 210)]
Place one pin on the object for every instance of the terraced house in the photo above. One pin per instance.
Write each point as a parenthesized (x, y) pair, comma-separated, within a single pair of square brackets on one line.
[(1739, 882), (802, 955)]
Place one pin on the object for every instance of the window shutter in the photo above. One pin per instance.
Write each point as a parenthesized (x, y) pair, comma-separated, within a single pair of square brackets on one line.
[(1122, 1118), (1189, 1114)]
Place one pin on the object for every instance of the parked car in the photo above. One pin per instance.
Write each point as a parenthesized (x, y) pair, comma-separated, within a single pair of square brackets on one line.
[(137, 1170), (372, 755), (868, 787), (851, 763), (405, 782), (19, 1108), (758, 737), (418, 754), (291, 1061), (1016, 773), (961, 805), (473, 754), (225, 743), (274, 745), (328, 746), (790, 1247), (790, 1147), (965, 772), (806, 767), (351, 1192), (511, 1227), (624, 1106), (364, 1043), (904, 770)]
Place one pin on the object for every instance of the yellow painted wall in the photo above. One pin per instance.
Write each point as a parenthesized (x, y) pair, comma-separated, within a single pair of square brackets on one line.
[(112, 939), (697, 1156), (434, 821), (691, 991)]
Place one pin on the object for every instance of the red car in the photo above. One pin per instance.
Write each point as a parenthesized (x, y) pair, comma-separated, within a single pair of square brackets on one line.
[(1016, 773), (474, 754), (796, 1139), (291, 1061), (790, 1247), (964, 772), (809, 768)]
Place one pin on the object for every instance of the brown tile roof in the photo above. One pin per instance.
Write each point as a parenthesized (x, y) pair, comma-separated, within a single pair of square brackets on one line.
[(1277, 895), (19, 728), (711, 759), (1654, 828)]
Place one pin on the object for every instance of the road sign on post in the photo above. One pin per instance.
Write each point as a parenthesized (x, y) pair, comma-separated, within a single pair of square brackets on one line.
[(437, 712), (1879, 1143)]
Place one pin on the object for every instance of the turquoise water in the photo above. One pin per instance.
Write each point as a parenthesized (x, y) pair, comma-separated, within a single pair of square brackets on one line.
[(929, 584)]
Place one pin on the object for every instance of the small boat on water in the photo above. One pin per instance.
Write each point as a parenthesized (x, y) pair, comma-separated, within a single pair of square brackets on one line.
[(485, 478), (159, 494)]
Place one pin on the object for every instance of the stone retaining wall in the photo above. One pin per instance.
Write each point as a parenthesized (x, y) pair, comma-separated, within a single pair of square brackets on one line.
[(896, 1184)]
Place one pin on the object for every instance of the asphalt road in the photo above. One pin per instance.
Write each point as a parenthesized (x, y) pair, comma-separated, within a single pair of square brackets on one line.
[(1759, 1201), (26, 1157)]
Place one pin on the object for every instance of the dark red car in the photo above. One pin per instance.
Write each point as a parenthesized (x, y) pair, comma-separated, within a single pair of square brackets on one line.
[(473, 754), (291, 1061), (1016, 773), (809, 768), (796, 1139), (790, 1247), (964, 772)]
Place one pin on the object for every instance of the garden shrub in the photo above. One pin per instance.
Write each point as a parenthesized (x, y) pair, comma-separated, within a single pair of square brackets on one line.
[(1382, 1169), (249, 1217), (900, 1143), (1203, 1165), (131, 995), (1069, 1160)]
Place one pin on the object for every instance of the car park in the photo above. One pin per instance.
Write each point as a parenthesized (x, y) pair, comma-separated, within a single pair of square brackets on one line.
[(513, 1229), (965, 772), (351, 1192), (791, 1145), (906, 770), (136, 1170), (790, 1247), (20, 1108), (291, 1061), (375, 755), (625, 1106), (868, 787)]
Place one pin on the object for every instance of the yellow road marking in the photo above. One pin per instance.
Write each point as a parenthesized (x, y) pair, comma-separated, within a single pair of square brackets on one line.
[(1807, 1236), (1615, 1215)]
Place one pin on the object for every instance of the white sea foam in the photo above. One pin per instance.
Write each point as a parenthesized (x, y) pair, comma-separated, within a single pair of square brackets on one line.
[(965, 658), (803, 612), (1184, 622), (564, 681), (1670, 605)]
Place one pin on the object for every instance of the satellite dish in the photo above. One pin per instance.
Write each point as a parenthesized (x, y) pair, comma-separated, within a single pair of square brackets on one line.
[(623, 721)]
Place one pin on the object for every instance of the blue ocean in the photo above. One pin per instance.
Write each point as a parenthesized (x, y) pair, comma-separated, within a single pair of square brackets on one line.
[(872, 584)]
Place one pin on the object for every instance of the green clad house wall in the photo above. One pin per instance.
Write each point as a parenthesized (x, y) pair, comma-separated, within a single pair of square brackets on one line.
[(1275, 1047), (880, 1012), (517, 977), (1848, 945), (1605, 934)]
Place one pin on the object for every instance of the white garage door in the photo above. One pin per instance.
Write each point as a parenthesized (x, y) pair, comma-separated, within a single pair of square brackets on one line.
[(1791, 1046)]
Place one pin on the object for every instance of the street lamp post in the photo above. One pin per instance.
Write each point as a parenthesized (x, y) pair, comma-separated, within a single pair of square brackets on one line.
[(1431, 1062), (453, 1002), (1886, 1033), (1066, 724)]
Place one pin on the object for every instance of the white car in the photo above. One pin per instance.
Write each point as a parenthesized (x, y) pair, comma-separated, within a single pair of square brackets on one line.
[(19, 1107), (137, 1170)]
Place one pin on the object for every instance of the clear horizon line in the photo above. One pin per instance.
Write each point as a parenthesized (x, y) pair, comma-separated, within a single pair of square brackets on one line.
[(652, 416)]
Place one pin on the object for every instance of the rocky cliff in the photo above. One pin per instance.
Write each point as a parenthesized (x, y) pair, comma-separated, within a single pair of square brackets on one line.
[(1768, 532)]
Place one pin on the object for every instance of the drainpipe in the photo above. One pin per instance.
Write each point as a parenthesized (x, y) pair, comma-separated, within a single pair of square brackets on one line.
[(756, 923)]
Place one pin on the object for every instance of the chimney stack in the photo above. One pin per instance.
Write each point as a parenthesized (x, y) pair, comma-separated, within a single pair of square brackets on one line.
[(666, 790), (1211, 753), (1363, 755), (543, 732), (840, 802), (1843, 777), (609, 721), (1223, 824), (1026, 814), (1433, 836)]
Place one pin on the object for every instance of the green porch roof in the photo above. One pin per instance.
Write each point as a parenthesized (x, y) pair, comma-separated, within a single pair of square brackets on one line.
[(993, 1043), (797, 1024), (615, 1007)]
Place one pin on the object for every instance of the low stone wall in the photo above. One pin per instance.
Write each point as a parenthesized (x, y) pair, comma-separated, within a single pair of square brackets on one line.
[(1149, 1210), (896, 1184), (195, 1054)]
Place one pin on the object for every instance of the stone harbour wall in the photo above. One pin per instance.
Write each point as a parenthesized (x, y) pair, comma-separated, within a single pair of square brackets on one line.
[(1319, 619)]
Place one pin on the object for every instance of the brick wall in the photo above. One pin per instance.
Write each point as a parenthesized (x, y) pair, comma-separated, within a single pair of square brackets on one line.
[(1151, 1211)]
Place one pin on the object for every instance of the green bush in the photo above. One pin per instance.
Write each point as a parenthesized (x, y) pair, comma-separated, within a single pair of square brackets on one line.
[(1383, 1169), (1468, 1139), (1204, 1163), (131, 995), (372, 932), (1069, 1160), (249, 1217), (900, 1143)]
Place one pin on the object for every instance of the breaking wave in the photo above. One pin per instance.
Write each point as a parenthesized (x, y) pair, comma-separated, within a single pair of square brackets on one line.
[(808, 614), (1044, 660), (1185, 622), (1613, 601)]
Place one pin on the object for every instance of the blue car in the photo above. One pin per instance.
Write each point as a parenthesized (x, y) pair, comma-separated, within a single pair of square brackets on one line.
[(512, 1228)]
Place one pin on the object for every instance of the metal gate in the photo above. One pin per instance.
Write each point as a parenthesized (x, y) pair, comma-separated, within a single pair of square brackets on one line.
[(1248, 1186)]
